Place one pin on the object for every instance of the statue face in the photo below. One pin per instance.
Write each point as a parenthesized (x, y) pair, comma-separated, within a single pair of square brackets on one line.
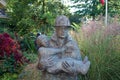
[(61, 31), (44, 42)]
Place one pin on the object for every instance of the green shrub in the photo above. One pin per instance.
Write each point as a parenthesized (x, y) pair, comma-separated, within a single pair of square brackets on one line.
[(8, 65), (27, 43), (31, 56), (8, 76)]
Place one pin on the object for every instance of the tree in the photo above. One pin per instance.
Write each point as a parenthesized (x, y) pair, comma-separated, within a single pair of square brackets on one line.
[(93, 8), (88, 8), (114, 7), (34, 15)]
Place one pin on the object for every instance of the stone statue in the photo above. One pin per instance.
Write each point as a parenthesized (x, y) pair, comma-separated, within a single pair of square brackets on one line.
[(60, 53), (48, 56)]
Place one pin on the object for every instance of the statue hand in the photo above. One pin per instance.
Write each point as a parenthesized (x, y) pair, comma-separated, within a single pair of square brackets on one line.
[(69, 68), (48, 62)]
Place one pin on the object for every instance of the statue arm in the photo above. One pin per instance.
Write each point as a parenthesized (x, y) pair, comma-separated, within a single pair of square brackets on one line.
[(47, 53), (73, 50), (50, 51)]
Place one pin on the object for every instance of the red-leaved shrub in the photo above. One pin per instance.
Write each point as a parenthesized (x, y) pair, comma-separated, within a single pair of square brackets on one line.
[(9, 46)]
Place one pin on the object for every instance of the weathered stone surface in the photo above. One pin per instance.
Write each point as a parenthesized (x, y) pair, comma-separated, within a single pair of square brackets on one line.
[(60, 76), (32, 73)]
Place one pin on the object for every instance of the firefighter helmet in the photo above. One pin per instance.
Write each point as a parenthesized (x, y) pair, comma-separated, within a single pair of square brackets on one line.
[(62, 21)]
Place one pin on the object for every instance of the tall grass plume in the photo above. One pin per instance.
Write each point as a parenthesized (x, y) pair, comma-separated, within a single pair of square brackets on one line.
[(102, 45)]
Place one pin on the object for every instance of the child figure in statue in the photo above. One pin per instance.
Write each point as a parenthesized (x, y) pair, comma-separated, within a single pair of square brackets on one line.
[(50, 61)]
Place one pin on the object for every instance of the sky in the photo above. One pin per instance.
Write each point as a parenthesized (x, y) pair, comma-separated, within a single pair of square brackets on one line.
[(67, 2), (70, 3)]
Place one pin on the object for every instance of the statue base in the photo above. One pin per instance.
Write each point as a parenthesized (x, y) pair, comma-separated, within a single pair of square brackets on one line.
[(32, 73), (59, 76)]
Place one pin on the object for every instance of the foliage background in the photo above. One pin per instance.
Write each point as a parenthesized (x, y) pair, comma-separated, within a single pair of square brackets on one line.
[(99, 43)]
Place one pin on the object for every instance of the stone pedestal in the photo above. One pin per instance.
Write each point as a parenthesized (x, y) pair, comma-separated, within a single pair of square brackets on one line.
[(60, 76), (32, 73)]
